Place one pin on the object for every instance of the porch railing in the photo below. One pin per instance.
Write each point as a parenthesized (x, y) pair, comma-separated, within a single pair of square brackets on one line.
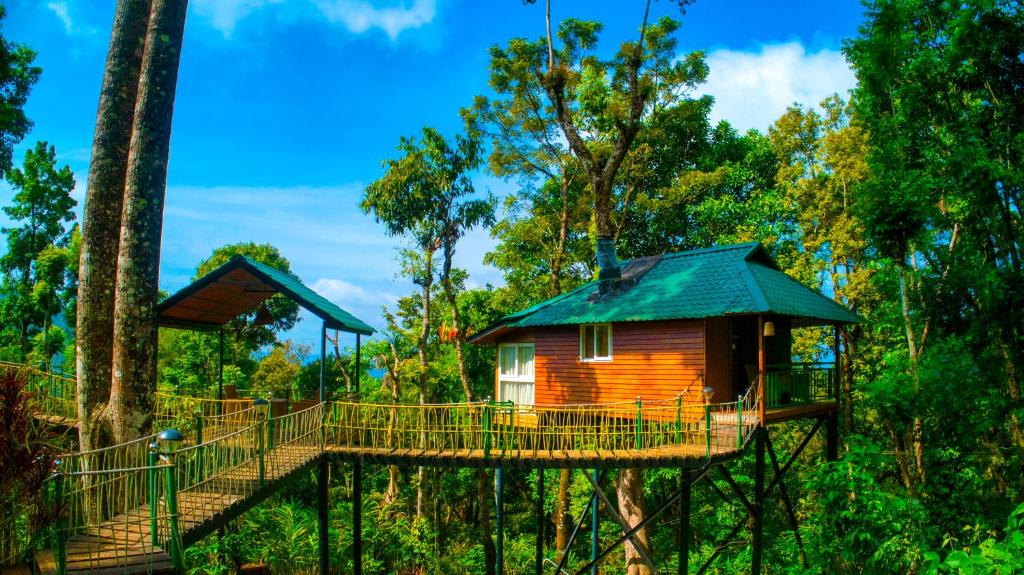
[(799, 384)]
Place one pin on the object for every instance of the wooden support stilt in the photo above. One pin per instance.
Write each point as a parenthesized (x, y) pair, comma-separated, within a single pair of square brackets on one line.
[(832, 436), (321, 515), (539, 512), (757, 542), (793, 523)]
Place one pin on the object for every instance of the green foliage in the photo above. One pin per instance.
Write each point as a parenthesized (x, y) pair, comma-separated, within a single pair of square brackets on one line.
[(17, 76), (277, 371), (39, 279)]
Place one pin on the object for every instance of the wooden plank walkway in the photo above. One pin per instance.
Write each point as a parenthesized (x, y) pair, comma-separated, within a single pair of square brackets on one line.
[(687, 456), (123, 544)]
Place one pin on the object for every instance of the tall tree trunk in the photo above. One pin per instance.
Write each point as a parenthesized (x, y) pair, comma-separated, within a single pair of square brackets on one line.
[(912, 349), (630, 491), (138, 263), (101, 225)]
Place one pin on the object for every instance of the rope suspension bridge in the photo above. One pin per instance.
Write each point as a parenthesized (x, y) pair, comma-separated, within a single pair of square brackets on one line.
[(134, 507)]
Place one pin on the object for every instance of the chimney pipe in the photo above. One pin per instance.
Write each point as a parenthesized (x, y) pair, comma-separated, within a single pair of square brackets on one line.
[(607, 262)]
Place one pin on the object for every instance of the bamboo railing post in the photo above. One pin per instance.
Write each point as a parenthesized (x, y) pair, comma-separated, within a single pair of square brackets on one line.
[(487, 428), (154, 459), (270, 429), (679, 419), (259, 452), (639, 423), (739, 423), (199, 443)]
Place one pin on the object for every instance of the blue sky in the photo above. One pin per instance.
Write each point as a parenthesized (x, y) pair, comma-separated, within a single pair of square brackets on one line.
[(286, 108)]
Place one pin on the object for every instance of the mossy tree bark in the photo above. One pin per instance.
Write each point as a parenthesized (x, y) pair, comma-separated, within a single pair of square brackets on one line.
[(102, 218), (135, 330)]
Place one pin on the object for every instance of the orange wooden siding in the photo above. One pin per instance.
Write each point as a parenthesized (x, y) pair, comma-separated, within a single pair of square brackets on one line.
[(653, 360)]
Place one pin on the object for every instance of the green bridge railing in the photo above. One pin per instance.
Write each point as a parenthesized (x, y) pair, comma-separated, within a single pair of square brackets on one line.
[(799, 384)]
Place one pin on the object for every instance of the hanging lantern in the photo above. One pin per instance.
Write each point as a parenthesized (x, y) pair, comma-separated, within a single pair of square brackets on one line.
[(769, 329), (263, 316)]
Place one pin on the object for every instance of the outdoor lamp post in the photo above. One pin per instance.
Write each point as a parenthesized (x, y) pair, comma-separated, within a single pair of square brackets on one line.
[(262, 407), (709, 394), (170, 440)]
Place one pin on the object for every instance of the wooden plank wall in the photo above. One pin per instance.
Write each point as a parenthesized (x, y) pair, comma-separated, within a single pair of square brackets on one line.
[(653, 360)]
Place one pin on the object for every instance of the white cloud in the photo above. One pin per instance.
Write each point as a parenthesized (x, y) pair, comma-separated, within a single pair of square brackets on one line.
[(357, 16), (752, 89), (346, 293), (61, 10)]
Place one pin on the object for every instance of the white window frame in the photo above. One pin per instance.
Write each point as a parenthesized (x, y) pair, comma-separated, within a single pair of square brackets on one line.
[(518, 378), (596, 358)]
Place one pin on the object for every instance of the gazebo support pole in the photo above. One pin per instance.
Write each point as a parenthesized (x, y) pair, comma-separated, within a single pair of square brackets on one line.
[(220, 370), (357, 488), (323, 362), (322, 476)]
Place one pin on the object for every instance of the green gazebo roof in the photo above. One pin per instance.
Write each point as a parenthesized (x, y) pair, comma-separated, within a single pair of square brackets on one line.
[(241, 286), (740, 279)]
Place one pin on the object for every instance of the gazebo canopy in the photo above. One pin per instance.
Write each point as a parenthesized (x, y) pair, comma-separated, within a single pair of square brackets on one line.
[(240, 287)]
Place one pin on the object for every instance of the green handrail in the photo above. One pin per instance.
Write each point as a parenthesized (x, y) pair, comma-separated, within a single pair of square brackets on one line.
[(707, 425), (739, 423), (639, 423), (487, 428)]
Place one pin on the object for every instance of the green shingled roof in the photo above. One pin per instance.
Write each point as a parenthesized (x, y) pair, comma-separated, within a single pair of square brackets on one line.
[(713, 282), (202, 298)]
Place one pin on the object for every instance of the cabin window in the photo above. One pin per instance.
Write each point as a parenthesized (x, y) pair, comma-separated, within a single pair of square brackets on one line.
[(515, 373), (596, 342)]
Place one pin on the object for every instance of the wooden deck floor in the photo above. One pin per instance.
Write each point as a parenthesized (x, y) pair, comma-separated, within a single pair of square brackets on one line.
[(684, 456)]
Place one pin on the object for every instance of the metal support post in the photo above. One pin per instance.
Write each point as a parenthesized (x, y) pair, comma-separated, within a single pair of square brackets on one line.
[(220, 370), (321, 514), (323, 362), (198, 418), (174, 537), (540, 522), (758, 526), (685, 484), (595, 523), (357, 517), (499, 504)]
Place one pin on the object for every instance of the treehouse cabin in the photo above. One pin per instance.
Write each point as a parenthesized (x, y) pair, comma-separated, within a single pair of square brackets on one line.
[(673, 324)]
